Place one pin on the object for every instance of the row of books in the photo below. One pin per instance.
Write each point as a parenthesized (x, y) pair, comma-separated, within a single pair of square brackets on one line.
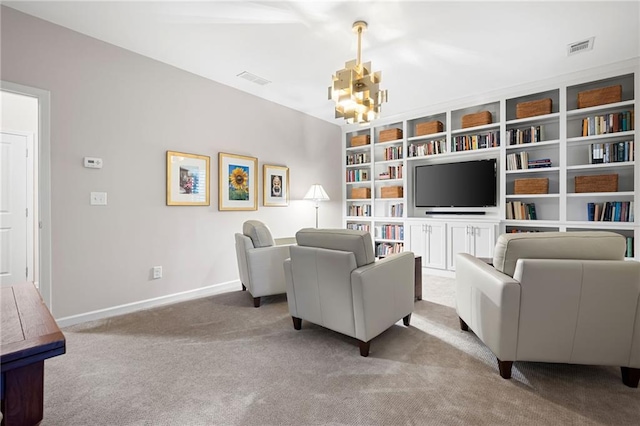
[(385, 249), (396, 210), (608, 123), (358, 226), (357, 175), (438, 146), (613, 152), (610, 211), (521, 211), (360, 210), (630, 250), (473, 142), (393, 172), (520, 161), (527, 135), (390, 232), (393, 153), (358, 158)]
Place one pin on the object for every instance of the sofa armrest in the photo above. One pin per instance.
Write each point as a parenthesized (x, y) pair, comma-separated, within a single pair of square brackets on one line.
[(377, 285), (265, 270), (285, 241), (489, 302)]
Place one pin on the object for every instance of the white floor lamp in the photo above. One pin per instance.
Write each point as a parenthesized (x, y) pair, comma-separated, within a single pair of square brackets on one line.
[(317, 194)]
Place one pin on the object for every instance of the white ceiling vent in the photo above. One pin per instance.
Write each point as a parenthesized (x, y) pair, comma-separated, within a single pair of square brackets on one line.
[(580, 46), (253, 78)]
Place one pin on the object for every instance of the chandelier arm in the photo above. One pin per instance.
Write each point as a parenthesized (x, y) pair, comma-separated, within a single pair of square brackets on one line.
[(359, 57)]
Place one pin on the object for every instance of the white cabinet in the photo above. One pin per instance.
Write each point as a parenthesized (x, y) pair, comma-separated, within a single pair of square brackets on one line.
[(428, 239), (476, 239)]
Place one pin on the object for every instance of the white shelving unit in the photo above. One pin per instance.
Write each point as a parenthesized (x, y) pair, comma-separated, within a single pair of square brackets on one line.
[(438, 233)]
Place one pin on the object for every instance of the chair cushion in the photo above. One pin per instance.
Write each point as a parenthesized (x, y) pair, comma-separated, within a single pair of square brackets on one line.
[(258, 232), (588, 245), (357, 242)]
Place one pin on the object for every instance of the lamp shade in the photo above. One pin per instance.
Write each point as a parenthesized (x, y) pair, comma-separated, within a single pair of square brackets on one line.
[(316, 193)]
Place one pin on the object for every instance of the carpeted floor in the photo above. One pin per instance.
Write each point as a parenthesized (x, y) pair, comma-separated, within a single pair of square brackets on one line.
[(219, 361)]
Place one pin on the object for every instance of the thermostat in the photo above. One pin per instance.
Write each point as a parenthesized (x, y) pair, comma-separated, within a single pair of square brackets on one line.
[(93, 162)]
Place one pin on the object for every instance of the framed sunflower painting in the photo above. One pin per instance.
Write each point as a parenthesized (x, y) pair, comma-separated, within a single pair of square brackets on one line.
[(238, 182), (187, 179)]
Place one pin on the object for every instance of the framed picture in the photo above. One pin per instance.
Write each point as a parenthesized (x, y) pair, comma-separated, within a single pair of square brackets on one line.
[(275, 186), (238, 182), (187, 179)]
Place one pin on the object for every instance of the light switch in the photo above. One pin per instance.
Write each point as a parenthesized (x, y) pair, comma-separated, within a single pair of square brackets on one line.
[(98, 198)]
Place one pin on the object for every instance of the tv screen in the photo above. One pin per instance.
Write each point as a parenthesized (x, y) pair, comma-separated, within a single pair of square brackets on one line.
[(465, 184)]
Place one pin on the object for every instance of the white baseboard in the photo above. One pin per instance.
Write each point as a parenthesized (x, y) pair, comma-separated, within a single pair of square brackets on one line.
[(149, 303)]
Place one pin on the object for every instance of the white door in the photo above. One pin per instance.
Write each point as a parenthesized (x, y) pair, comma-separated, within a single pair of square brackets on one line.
[(457, 242), (436, 245), (417, 239), (16, 196), (484, 238)]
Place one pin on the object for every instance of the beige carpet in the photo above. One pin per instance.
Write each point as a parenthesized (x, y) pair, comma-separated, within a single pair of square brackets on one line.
[(219, 361)]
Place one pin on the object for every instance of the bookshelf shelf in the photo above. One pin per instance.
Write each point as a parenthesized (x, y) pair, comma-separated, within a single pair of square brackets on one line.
[(440, 236), (620, 194)]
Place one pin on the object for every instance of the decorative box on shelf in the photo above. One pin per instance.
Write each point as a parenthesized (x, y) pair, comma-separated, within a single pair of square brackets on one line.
[(360, 140), (390, 135), (597, 183), (361, 193), (531, 186), (428, 128), (391, 192), (601, 96), (533, 108), (476, 119)]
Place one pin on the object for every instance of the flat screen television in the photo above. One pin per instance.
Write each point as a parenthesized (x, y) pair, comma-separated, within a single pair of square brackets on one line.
[(464, 184)]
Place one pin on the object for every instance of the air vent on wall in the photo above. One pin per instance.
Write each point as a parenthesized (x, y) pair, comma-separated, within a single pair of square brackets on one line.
[(580, 46), (253, 78)]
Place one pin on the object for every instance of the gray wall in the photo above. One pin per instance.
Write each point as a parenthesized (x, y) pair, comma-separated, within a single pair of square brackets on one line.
[(128, 109)]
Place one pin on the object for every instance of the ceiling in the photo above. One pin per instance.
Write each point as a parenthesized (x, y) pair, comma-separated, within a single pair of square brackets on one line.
[(428, 52)]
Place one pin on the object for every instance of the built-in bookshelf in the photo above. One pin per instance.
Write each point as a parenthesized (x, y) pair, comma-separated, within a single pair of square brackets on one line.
[(557, 145)]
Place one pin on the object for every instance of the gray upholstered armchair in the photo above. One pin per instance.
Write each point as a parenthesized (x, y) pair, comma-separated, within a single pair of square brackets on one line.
[(563, 297), (334, 281), (260, 261)]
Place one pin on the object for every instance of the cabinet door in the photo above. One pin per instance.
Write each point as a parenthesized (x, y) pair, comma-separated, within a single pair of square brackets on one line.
[(483, 240), (436, 247), (416, 241), (457, 242)]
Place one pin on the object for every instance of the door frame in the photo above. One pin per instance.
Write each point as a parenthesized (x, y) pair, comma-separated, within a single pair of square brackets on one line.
[(44, 183)]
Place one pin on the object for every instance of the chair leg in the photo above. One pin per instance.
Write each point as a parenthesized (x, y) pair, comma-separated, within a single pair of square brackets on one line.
[(630, 376), (463, 325), (406, 320), (505, 369), (364, 348), (256, 302), (297, 323), (243, 287)]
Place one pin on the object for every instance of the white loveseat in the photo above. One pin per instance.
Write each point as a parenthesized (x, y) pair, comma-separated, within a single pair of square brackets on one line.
[(562, 297), (334, 281)]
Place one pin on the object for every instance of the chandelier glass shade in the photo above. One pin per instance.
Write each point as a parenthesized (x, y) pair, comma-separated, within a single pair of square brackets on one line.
[(356, 89)]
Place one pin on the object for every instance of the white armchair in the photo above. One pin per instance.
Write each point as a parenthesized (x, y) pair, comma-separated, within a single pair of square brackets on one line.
[(334, 281), (260, 261), (562, 297)]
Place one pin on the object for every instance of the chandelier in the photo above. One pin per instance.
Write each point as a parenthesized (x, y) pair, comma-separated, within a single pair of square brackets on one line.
[(355, 88)]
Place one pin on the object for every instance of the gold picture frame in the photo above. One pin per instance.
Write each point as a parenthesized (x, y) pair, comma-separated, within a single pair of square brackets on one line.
[(237, 182), (187, 179), (275, 186)]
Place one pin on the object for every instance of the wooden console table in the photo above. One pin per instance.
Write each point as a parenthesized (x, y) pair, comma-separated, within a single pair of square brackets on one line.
[(29, 336)]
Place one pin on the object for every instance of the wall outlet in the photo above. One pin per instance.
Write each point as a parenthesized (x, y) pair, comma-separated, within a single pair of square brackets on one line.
[(157, 272), (98, 198)]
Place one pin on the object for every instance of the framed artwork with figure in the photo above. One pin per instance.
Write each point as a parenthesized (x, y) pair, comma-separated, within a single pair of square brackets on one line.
[(237, 182), (275, 186), (187, 179)]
